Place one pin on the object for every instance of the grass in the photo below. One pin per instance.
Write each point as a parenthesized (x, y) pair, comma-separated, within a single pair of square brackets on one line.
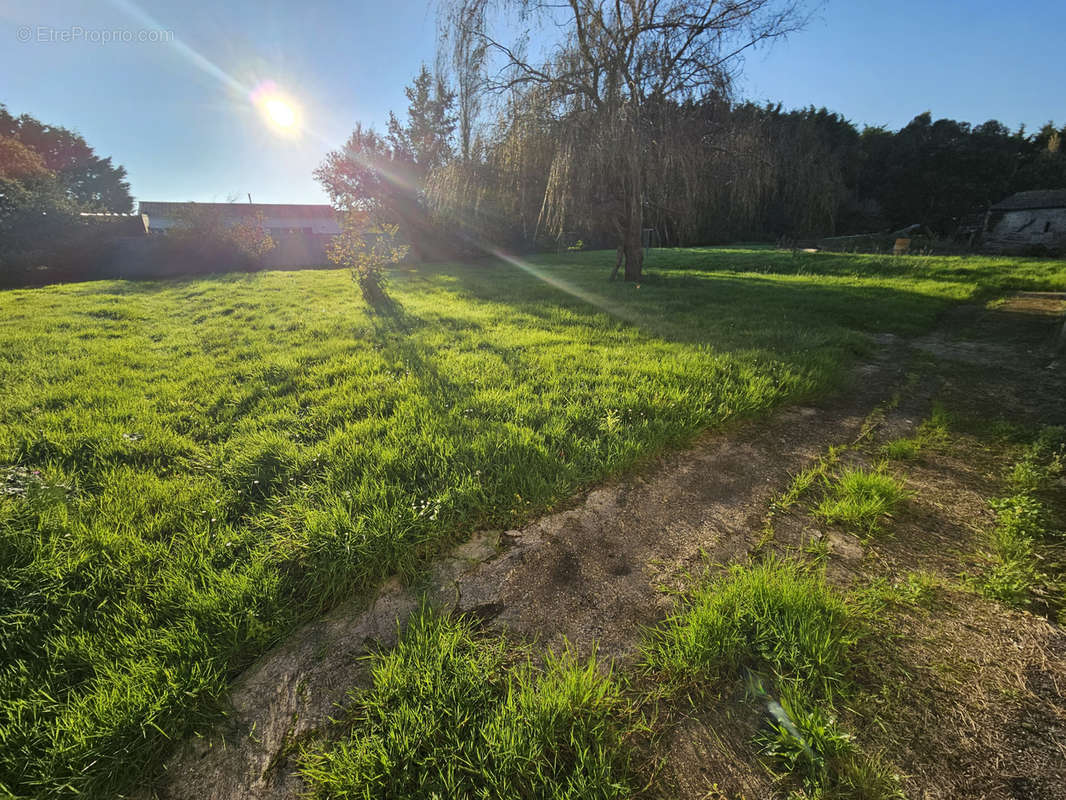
[(813, 749), (860, 499), (902, 449), (446, 715), (917, 589), (773, 617), (932, 431), (192, 467), (794, 641), (1021, 537)]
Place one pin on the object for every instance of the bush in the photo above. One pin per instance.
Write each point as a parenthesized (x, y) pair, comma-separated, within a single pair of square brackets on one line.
[(366, 251), (204, 242)]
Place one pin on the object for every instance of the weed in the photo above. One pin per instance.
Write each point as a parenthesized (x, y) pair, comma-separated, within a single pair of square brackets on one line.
[(802, 482), (818, 549), (916, 589), (1021, 531), (902, 449), (860, 499)]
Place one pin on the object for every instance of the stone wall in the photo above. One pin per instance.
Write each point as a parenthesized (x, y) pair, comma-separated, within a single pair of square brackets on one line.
[(1018, 231)]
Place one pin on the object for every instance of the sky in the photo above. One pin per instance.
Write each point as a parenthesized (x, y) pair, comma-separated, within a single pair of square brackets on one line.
[(165, 87)]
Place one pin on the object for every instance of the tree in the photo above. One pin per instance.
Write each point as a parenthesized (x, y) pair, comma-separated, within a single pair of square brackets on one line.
[(424, 140), (92, 183), (36, 214), (384, 177), (612, 62), (19, 162), (364, 175), (465, 53)]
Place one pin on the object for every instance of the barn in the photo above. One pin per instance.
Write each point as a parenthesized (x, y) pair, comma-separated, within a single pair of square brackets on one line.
[(1027, 222)]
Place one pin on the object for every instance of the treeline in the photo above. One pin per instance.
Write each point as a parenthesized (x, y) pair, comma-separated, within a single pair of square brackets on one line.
[(715, 172), (49, 179)]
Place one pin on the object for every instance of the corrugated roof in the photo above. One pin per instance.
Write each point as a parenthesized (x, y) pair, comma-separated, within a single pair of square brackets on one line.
[(1042, 198), (240, 209)]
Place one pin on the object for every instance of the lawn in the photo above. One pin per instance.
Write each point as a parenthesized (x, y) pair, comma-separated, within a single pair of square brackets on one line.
[(192, 467)]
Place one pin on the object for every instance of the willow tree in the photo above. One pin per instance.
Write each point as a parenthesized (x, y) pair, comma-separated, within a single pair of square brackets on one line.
[(605, 64)]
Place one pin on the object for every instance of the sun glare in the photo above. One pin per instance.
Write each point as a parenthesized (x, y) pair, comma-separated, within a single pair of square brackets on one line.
[(280, 112), (277, 110)]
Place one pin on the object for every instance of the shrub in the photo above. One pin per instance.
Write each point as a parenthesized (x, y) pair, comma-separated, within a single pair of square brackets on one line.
[(207, 241), (366, 251)]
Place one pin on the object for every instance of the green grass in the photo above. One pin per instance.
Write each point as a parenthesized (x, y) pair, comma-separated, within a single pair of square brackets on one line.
[(1022, 539), (990, 275), (823, 758), (903, 449), (772, 617), (192, 467), (447, 715), (793, 641), (860, 499)]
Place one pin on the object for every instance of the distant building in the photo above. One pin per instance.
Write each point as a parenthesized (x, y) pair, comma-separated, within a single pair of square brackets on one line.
[(278, 218), (119, 225), (301, 233), (1027, 222)]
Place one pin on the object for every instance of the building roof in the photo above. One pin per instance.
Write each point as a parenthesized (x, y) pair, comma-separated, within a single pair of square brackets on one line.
[(1042, 198), (240, 209)]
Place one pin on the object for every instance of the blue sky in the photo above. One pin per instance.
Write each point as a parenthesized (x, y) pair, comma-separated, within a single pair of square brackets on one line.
[(178, 116)]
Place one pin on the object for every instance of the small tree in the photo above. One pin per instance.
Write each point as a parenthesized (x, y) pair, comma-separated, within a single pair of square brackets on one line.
[(366, 251)]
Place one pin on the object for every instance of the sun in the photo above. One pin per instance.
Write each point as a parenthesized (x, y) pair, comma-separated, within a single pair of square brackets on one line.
[(279, 111)]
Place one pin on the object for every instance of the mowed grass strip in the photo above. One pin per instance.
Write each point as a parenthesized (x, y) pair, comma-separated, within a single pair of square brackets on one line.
[(192, 467)]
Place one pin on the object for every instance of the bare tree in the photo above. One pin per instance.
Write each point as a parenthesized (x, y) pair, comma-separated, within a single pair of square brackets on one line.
[(611, 63), (462, 53)]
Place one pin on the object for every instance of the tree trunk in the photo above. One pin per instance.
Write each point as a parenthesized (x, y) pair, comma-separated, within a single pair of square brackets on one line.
[(634, 252), (633, 224)]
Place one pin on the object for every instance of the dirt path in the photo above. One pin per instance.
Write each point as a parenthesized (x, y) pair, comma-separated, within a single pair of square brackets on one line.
[(593, 575)]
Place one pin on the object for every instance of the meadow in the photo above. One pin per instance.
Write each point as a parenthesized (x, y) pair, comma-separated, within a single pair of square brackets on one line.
[(192, 467)]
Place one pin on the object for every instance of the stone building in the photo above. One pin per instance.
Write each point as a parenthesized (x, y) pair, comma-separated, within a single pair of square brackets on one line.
[(1027, 222)]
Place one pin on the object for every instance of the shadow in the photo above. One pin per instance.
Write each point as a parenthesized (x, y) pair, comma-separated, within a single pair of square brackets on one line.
[(728, 310)]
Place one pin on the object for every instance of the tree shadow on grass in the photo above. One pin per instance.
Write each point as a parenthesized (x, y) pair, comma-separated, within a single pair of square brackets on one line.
[(726, 311)]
